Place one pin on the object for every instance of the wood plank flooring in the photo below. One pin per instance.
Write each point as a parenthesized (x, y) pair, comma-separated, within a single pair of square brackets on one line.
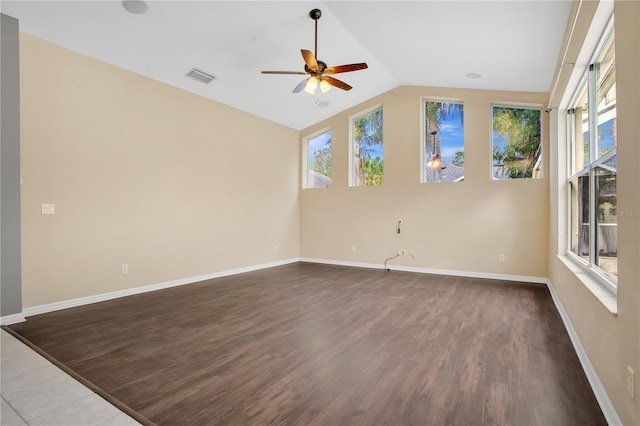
[(329, 345)]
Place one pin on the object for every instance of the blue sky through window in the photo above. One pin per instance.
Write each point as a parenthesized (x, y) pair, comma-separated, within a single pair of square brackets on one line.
[(376, 151), (319, 143), (451, 136), (605, 140), (605, 137)]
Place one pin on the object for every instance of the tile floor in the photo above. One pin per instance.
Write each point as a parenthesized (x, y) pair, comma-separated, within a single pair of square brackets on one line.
[(35, 392)]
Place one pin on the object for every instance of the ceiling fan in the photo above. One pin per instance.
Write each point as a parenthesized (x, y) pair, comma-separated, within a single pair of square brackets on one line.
[(318, 70)]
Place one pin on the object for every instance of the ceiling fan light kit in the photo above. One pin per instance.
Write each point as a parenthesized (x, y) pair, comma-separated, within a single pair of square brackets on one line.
[(318, 70), (324, 86), (311, 86)]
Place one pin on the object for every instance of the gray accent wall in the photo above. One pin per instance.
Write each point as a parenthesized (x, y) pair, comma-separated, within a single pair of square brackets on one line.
[(10, 260)]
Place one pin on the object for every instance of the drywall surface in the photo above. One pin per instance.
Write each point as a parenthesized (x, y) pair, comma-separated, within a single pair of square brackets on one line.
[(455, 226), (145, 175)]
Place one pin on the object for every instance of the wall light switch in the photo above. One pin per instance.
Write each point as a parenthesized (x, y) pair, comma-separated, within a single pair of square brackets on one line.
[(48, 209)]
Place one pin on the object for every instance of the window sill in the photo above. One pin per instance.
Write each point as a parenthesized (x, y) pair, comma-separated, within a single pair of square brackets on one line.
[(608, 299)]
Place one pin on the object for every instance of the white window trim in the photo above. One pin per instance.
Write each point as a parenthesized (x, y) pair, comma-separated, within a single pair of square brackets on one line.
[(597, 36), (590, 281), (305, 155), (423, 123), (521, 105), (594, 42), (598, 276), (353, 118)]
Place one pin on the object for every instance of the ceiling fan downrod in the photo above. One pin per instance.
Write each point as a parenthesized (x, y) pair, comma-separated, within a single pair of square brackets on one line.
[(315, 14)]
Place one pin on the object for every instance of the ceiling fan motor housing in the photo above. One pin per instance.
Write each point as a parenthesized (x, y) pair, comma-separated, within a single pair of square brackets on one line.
[(321, 67)]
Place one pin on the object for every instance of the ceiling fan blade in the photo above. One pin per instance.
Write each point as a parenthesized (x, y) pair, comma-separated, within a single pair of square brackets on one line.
[(310, 60), (300, 86), (345, 68), (337, 83), (284, 72)]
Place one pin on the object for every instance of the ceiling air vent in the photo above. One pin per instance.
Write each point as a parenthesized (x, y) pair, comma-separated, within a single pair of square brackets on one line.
[(200, 76)]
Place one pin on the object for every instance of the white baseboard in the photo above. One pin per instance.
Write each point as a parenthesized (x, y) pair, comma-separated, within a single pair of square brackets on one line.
[(72, 303), (599, 391), (12, 319), (470, 274)]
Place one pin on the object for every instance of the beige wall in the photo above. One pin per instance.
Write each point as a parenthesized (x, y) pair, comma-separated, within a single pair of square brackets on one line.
[(462, 226), (144, 174), (611, 342)]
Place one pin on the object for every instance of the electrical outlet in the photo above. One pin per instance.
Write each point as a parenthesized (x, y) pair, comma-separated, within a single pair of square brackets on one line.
[(353, 248), (275, 248), (501, 258), (631, 386), (48, 209), (125, 269)]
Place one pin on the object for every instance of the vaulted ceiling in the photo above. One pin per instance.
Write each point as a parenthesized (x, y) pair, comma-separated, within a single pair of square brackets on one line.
[(512, 45)]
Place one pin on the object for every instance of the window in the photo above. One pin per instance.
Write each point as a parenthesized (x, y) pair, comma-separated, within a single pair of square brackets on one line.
[(366, 165), (591, 132), (516, 143), (317, 150), (443, 142)]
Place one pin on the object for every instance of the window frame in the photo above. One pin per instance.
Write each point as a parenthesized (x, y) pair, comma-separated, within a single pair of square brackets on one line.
[(304, 183), (588, 77), (423, 124), (519, 105), (352, 119)]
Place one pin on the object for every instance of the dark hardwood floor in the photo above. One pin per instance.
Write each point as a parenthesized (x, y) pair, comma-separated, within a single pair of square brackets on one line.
[(319, 344)]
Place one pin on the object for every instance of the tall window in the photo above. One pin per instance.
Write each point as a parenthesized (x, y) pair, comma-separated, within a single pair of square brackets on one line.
[(516, 142), (367, 166), (443, 142), (591, 131), (318, 161)]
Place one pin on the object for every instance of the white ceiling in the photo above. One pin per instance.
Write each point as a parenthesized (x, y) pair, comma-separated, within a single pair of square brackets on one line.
[(512, 44)]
